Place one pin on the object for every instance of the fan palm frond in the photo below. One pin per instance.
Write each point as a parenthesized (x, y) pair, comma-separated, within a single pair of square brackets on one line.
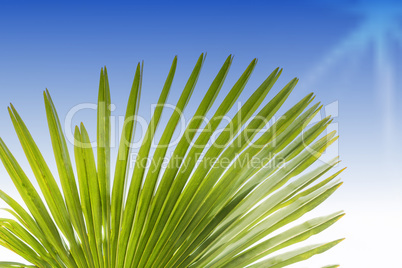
[(228, 197)]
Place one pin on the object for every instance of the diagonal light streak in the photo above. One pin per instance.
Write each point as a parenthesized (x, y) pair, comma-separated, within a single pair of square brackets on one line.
[(379, 27)]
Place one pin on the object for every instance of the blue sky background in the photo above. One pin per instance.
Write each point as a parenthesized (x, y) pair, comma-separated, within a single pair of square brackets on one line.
[(347, 52)]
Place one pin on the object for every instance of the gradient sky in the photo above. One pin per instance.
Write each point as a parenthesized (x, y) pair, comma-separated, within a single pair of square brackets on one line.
[(347, 52)]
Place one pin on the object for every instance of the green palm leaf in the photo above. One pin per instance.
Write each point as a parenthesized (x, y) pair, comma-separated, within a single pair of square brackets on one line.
[(210, 206)]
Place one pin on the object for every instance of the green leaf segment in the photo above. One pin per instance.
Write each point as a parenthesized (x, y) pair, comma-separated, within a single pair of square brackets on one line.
[(231, 195)]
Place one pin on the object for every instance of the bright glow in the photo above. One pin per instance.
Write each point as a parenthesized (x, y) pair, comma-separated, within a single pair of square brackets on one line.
[(378, 29)]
